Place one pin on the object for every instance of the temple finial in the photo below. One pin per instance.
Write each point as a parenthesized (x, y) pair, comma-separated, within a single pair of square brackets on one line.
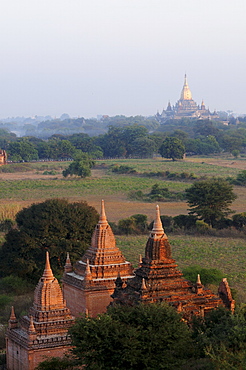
[(48, 274), (140, 260), (68, 266), (143, 285), (198, 279), (12, 315), (13, 322), (157, 226), (103, 218), (31, 328), (88, 275)]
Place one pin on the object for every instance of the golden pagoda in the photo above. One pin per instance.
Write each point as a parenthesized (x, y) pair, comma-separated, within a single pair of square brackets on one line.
[(186, 107)]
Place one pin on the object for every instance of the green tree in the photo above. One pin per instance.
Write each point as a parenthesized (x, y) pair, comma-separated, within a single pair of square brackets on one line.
[(22, 150), (81, 166), (172, 147), (141, 337), (210, 199), (54, 225)]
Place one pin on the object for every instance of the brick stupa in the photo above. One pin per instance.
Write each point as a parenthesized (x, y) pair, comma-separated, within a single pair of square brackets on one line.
[(88, 286), (43, 333), (158, 280)]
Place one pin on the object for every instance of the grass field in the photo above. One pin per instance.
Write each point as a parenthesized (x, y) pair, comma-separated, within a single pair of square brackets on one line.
[(226, 254), (25, 188)]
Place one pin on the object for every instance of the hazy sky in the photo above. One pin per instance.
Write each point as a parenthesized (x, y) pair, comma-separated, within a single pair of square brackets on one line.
[(89, 57)]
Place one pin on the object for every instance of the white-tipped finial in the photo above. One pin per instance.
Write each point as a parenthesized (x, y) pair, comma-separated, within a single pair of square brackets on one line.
[(157, 226), (198, 279), (143, 286)]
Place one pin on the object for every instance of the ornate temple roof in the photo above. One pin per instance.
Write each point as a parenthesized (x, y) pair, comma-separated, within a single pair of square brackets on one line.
[(48, 294), (158, 279), (48, 317), (103, 257)]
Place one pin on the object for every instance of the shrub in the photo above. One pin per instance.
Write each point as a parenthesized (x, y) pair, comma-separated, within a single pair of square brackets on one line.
[(208, 275), (185, 221), (123, 169)]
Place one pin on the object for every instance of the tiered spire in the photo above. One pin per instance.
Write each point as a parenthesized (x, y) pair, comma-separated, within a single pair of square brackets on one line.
[(186, 93), (68, 266), (48, 274), (48, 294), (157, 226), (157, 247), (102, 218), (103, 249), (13, 322)]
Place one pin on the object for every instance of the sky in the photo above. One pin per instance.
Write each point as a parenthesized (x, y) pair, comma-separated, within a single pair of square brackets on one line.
[(93, 57)]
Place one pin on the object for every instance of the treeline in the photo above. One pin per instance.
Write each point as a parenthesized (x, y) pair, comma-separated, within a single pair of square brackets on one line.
[(127, 138)]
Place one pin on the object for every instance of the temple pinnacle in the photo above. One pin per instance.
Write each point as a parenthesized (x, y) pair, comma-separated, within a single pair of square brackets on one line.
[(12, 315), (48, 274), (198, 279), (157, 227), (103, 218), (31, 326)]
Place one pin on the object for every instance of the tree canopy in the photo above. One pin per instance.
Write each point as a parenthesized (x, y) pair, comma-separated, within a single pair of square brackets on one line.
[(142, 337), (172, 147), (54, 225), (210, 199)]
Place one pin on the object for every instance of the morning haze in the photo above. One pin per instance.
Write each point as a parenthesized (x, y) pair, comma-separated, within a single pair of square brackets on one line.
[(120, 57)]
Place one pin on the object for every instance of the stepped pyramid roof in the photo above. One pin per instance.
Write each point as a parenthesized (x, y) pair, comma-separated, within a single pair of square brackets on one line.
[(103, 257), (159, 279), (48, 319)]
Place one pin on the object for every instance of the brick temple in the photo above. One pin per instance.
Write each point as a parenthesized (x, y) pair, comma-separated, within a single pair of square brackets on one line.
[(159, 280), (103, 277), (43, 333), (88, 286)]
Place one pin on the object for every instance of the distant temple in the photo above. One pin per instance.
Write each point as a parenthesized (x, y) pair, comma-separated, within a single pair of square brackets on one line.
[(103, 277), (186, 107)]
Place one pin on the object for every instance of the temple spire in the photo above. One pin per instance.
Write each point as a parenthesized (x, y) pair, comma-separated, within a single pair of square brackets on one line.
[(102, 218), (13, 322), (48, 274), (68, 266), (31, 328), (12, 315), (186, 93), (157, 226), (88, 275)]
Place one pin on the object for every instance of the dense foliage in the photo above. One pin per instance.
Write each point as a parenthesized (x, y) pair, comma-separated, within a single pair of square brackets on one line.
[(120, 136), (54, 225), (210, 199), (154, 337)]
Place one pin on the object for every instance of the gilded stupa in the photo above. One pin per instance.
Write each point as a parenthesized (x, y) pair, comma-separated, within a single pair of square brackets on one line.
[(186, 107)]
